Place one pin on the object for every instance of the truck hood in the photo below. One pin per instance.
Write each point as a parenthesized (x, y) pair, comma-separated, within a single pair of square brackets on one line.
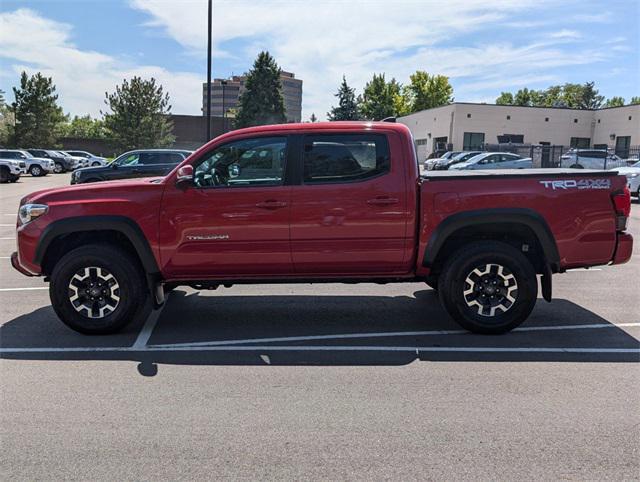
[(80, 192)]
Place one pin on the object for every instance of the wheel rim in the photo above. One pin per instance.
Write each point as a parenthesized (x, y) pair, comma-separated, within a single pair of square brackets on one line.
[(94, 292), (58, 168), (95, 164), (490, 289), (35, 170)]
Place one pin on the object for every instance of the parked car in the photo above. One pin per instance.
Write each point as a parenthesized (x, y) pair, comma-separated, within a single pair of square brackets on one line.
[(320, 202), (138, 163), (590, 159), (61, 163), (444, 164), (429, 164), (10, 170), (494, 160), (632, 174), (79, 161), (36, 166), (90, 159)]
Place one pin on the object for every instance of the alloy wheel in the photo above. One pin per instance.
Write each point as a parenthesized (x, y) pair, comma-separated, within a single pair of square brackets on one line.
[(490, 289), (94, 292)]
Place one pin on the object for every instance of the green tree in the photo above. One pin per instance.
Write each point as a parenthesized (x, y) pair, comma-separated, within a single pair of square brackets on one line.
[(6, 120), (505, 98), (37, 113), (378, 98), (347, 108), (427, 91), (590, 98), (139, 115), (614, 102), (313, 118), (634, 100), (262, 102), (84, 127)]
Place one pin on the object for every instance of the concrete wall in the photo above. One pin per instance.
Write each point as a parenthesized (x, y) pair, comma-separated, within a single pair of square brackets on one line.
[(553, 125)]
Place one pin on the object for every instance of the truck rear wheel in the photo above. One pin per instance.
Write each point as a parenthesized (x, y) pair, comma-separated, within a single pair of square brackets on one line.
[(98, 289), (488, 287)]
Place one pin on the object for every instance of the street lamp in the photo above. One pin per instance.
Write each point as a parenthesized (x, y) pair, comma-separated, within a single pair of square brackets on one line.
[(210, 15)]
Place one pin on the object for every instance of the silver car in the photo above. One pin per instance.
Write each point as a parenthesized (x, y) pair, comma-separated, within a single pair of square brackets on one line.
[(36, 166), (90, 160), (495, 160)]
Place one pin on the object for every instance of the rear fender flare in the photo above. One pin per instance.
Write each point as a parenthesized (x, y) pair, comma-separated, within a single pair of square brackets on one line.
[(494, 217)]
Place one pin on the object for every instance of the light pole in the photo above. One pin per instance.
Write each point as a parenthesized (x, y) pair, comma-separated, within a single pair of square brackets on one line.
[(210, 16), (224, 110)]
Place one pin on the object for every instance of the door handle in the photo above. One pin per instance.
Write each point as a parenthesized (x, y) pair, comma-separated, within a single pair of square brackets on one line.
[(271, 204), (382, 201)]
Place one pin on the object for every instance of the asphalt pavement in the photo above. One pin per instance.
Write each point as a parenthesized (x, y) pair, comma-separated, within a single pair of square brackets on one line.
[(320, 382)]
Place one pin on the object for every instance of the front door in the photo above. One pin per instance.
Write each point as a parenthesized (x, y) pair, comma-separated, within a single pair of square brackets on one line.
[(234, 220), (350, 214)]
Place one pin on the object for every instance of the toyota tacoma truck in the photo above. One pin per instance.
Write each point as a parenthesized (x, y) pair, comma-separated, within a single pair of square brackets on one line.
[(326, 202)]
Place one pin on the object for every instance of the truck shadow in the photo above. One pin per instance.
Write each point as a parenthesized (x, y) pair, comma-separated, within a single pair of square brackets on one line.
[(201, 329)]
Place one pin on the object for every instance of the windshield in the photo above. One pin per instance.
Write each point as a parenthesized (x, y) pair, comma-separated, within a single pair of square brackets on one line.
[(637, 164), (475, 158)]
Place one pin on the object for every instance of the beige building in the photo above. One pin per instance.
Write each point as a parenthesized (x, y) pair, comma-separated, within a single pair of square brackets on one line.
[(464, 126), (225, 95)]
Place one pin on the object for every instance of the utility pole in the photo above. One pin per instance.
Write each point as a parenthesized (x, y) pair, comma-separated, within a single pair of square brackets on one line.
[(209, 71), (224, 113)]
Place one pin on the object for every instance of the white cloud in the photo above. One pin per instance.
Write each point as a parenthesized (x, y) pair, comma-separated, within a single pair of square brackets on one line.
[(321, 40), (81, 76)]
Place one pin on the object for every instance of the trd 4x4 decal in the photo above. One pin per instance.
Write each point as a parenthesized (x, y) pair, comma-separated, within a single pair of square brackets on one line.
[(578, 184)]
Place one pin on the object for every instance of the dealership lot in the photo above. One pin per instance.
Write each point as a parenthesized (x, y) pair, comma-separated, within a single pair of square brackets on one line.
[(321, 381)]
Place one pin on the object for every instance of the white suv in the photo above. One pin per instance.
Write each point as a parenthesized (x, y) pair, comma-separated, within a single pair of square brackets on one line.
[(10, 170), (36, 166)]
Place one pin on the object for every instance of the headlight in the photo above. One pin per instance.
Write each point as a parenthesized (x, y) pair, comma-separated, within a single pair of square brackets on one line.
[(29, 212), (635, 174), (77, 174)]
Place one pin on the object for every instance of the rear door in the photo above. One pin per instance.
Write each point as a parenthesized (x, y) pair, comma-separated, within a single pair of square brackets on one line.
[(349, 215)]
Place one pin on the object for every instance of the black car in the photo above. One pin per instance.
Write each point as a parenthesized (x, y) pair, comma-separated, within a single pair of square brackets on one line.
[(61, 162), (139, 163)]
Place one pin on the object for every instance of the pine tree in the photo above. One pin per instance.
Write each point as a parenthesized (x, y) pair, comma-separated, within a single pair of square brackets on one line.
[(614, 102), (37, 113), (139, 115), (262, 102), (313, 118), (347, 108)]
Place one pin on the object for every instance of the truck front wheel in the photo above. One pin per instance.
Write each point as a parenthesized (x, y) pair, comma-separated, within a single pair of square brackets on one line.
[(98, 289), (488, 287)]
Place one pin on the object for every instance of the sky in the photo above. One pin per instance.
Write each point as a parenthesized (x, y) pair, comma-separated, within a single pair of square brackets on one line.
[(483, 46)]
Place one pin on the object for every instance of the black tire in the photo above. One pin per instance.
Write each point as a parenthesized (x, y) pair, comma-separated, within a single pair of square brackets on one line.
[(13, 178), (58, 168), (95, 164), (4, 175), (132, 290), (36, 171), (576, 166), (502, 262)]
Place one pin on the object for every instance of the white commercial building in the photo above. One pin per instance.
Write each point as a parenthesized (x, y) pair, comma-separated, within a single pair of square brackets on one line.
[(464, 126)]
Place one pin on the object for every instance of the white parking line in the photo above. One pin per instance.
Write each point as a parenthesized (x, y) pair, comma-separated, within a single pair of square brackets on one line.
[(6, 239), (24, 289), (8, 225), (147, 329), (267, 348), (387, 335)]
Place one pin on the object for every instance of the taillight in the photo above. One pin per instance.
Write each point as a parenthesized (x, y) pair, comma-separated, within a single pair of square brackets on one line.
[(622, 204)]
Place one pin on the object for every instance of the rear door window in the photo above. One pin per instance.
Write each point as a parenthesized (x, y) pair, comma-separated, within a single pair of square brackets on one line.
[(338, 158)]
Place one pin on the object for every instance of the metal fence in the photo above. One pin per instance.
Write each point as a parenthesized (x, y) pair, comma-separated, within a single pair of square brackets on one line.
[(551, 156)]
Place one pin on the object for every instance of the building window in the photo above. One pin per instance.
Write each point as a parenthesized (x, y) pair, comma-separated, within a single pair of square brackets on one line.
[(472, 140), (421, 142), (511, 139), (468, 116), (598, 121), (575, 121), (546, 119), (508, 117), (630, 117), (580, 142), (622, 146)]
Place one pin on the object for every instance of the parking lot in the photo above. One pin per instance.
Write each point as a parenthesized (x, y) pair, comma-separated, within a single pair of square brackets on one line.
[(328, 381)]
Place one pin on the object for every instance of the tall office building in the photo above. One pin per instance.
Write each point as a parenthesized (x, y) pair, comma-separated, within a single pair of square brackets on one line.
[(225, 95)]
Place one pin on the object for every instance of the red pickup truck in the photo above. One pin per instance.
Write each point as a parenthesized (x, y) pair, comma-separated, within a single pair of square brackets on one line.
[(327, 202)]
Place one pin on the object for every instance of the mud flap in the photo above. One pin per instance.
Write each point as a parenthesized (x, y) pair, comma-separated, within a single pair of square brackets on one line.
[(545, 283)]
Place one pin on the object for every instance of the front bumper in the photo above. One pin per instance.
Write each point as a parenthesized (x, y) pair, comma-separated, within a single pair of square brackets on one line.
[(15, 262), (624, 248)]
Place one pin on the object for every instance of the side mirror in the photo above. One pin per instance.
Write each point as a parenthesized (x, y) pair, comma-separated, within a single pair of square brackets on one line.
[(185, 175)]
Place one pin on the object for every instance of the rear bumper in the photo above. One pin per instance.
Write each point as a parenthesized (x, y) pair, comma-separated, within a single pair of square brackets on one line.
[(624, 248)]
